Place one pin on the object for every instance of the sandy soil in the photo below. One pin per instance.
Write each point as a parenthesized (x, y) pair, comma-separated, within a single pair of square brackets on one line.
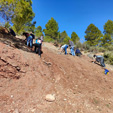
[(79, 86)]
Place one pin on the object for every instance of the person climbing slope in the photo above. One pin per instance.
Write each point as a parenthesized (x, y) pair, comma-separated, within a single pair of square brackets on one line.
[(77, 52), (71, 44), (38, 48), (29, 39), (99, 59), (33, 36), (64, 48)]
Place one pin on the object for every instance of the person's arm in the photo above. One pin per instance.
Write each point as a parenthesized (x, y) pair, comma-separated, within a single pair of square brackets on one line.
[(94, 60)]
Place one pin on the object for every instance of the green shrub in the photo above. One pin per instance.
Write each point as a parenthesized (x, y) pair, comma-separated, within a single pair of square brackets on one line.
[(85, 51), (93, 49), (56, 44), (66, 40), (111, 59), (108, 57), (110, 48), (48, 39), (78, 45), (101, 49), (97, 49), (85, 46)]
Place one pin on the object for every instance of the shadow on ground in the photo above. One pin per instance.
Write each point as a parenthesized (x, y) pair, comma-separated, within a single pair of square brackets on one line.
[(14, 42)]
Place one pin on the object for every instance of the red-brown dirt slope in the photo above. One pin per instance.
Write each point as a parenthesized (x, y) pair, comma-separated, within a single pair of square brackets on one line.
[(78, 85)]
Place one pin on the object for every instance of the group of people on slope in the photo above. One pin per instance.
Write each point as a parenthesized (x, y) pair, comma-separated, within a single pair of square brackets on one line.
[(37, 44), (72, 49), (97, 58)]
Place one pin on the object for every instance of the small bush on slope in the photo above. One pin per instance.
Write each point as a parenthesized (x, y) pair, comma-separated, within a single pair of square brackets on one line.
[(108, 57)]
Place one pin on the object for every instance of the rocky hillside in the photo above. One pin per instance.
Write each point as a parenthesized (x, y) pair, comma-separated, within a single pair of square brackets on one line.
[(74, 84)]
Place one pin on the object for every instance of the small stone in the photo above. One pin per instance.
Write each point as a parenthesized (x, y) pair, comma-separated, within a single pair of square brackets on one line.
[(33, 110), (50, 97), (13, 102), (16, 111), (12, 96)]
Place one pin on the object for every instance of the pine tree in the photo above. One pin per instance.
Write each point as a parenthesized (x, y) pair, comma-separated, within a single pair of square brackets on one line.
[(108, 27), (30, 27), (93, 35), (7, 9), (107, 39), (74, 37), (38, 31), (63, 35), (23, 15), (66, 40), (51, 30), (17, 12)]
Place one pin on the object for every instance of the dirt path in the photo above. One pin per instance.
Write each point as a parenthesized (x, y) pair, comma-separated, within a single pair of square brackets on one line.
[(78, 85)]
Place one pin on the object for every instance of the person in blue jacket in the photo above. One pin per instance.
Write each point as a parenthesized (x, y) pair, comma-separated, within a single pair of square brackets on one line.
[(29, 39), (77, 52)]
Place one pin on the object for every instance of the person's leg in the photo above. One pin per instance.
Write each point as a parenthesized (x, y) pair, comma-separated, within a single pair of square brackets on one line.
[(28, 41), (79, 54), (36, 49), (76, 54), (31, 43), (102, 62), (73, 52), (39, 50), (65, 50)]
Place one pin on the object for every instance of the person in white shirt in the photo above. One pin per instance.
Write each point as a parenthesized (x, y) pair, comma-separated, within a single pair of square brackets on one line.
[(64, 48)]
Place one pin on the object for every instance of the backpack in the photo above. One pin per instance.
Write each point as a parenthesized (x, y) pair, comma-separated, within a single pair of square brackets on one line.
[(38, 41), (33, 36)]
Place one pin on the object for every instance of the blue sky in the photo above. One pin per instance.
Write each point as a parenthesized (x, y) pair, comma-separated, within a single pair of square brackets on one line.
[(73, 15)]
